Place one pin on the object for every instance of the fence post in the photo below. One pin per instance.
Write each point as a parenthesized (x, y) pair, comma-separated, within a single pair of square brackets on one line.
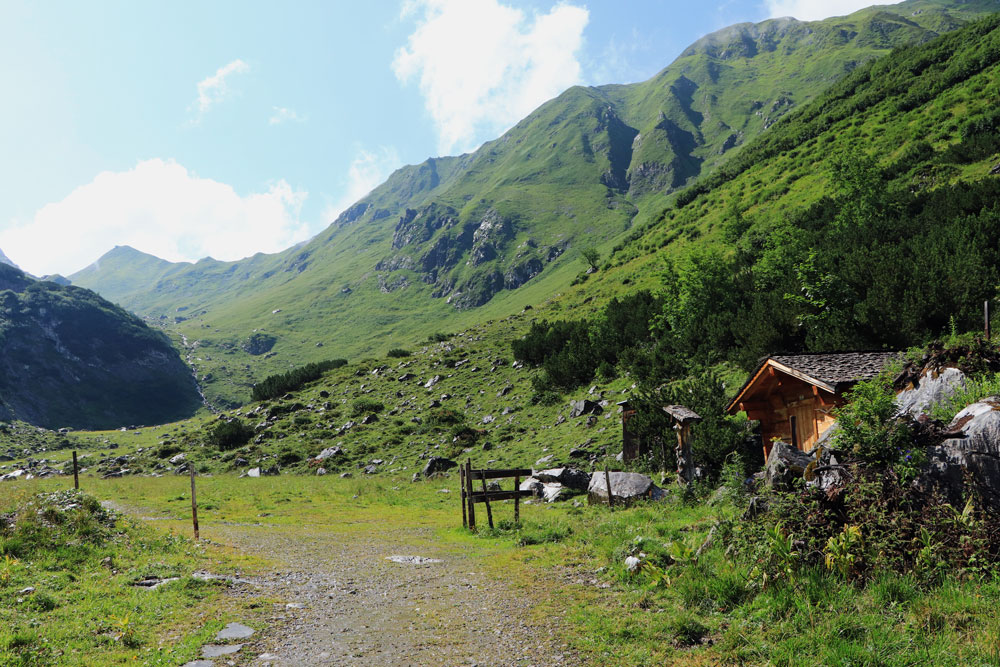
[(986, 318), (486, 497), (472, 504), (76, 473), (194, 502), (517, 500), (461, 478), (607, 483)]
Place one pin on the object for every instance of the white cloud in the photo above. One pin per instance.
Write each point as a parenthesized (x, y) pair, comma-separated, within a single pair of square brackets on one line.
[(283, 115), (482, 65), (158, 207), (213, 89), (368, 170), (813, 10)]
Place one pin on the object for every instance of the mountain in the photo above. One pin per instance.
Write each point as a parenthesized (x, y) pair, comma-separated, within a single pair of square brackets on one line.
[(4, 259), (458, 239), (866, 219), (70, 358)]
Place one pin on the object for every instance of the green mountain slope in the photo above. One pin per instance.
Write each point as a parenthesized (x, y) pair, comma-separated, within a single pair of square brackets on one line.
[(70, 358), (503, 226), (866, 219)]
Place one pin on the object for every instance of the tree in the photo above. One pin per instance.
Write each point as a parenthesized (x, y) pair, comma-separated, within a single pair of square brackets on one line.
[(591, 255)]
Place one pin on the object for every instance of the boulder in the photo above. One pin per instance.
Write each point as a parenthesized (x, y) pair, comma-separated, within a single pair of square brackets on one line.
[(784, 464), (329, 452), (545, 459), (625, 487), (973, 452), (584, 407), (533, 485), (177, 459), (552, 491), (438, 464), (572, 478), (320, 472), (933, 388)]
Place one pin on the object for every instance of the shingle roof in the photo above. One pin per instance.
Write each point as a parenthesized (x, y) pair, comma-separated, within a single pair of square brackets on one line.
[(835, 371), (837, 368)]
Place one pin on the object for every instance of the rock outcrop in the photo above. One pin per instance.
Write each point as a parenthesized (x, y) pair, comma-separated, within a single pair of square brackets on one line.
[(972, 454), (931, 389), (626, 487)]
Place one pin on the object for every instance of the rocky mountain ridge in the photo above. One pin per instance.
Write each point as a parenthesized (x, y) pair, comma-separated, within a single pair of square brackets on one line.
[(70, 358), (454, 234)]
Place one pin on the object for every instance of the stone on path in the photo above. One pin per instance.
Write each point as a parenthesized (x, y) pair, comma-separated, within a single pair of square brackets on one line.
[(412, 560), (199, 663), (234, 631), (217, 650)]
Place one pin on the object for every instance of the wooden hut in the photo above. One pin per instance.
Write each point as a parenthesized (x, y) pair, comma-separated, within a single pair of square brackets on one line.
[(793, 396)]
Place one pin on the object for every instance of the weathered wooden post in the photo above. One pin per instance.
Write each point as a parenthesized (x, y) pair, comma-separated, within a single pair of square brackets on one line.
[(682, 419), (486, 497), (607, 483), (194, 503), (472, 503), (986, 318), (76, 473), (461, 477), (683, 453), (517, 500)]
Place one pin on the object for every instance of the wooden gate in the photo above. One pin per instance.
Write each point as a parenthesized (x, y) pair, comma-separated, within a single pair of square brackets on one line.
[(469, 478)]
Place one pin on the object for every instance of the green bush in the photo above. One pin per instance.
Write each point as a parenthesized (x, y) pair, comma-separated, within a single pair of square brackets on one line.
[(398, 352), (230, 434), (279, 384), (366, 406), (868, 424)]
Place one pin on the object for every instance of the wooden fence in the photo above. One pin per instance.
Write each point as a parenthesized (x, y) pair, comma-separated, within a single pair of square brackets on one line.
[(469, 477)]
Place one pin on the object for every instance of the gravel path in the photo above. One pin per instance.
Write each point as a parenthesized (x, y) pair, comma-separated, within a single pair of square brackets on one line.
[(339, 601)]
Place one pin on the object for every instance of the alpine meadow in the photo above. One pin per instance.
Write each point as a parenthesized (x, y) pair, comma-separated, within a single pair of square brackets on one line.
[(697, 370)]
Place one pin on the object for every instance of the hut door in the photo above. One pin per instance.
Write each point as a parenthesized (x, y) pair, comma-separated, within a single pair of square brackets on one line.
[(805, 427)]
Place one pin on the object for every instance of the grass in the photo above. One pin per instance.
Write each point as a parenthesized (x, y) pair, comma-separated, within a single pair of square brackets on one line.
[(81, 562), (710, 610)]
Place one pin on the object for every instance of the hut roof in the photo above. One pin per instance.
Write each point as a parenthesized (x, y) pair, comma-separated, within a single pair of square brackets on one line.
[(832, 371)]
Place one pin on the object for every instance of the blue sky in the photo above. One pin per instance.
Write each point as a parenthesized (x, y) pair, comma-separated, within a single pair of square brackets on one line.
[(193, 129)]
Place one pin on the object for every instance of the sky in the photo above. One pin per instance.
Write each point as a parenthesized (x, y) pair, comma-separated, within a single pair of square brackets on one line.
[(192, 129)]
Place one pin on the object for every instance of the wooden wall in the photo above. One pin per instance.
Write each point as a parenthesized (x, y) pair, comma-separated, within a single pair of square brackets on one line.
[(779, 400)]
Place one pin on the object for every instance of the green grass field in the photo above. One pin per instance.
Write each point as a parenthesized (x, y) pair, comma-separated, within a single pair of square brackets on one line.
[(708, 610)]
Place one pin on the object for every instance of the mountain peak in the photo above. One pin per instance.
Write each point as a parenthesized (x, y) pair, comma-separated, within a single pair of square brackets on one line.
[(4, 259)]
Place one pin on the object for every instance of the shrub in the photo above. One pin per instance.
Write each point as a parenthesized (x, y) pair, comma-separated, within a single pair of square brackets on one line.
[(365, 405), (229, 434), (398, 352), (276, 385), (868, 424)]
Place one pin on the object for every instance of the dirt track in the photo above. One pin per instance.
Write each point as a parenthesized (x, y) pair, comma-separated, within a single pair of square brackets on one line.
[(341, 602)]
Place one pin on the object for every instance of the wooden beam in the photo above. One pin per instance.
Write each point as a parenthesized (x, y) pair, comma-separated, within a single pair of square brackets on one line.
[(500, 474), (821, 397), (479, 497), (749, 406)]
